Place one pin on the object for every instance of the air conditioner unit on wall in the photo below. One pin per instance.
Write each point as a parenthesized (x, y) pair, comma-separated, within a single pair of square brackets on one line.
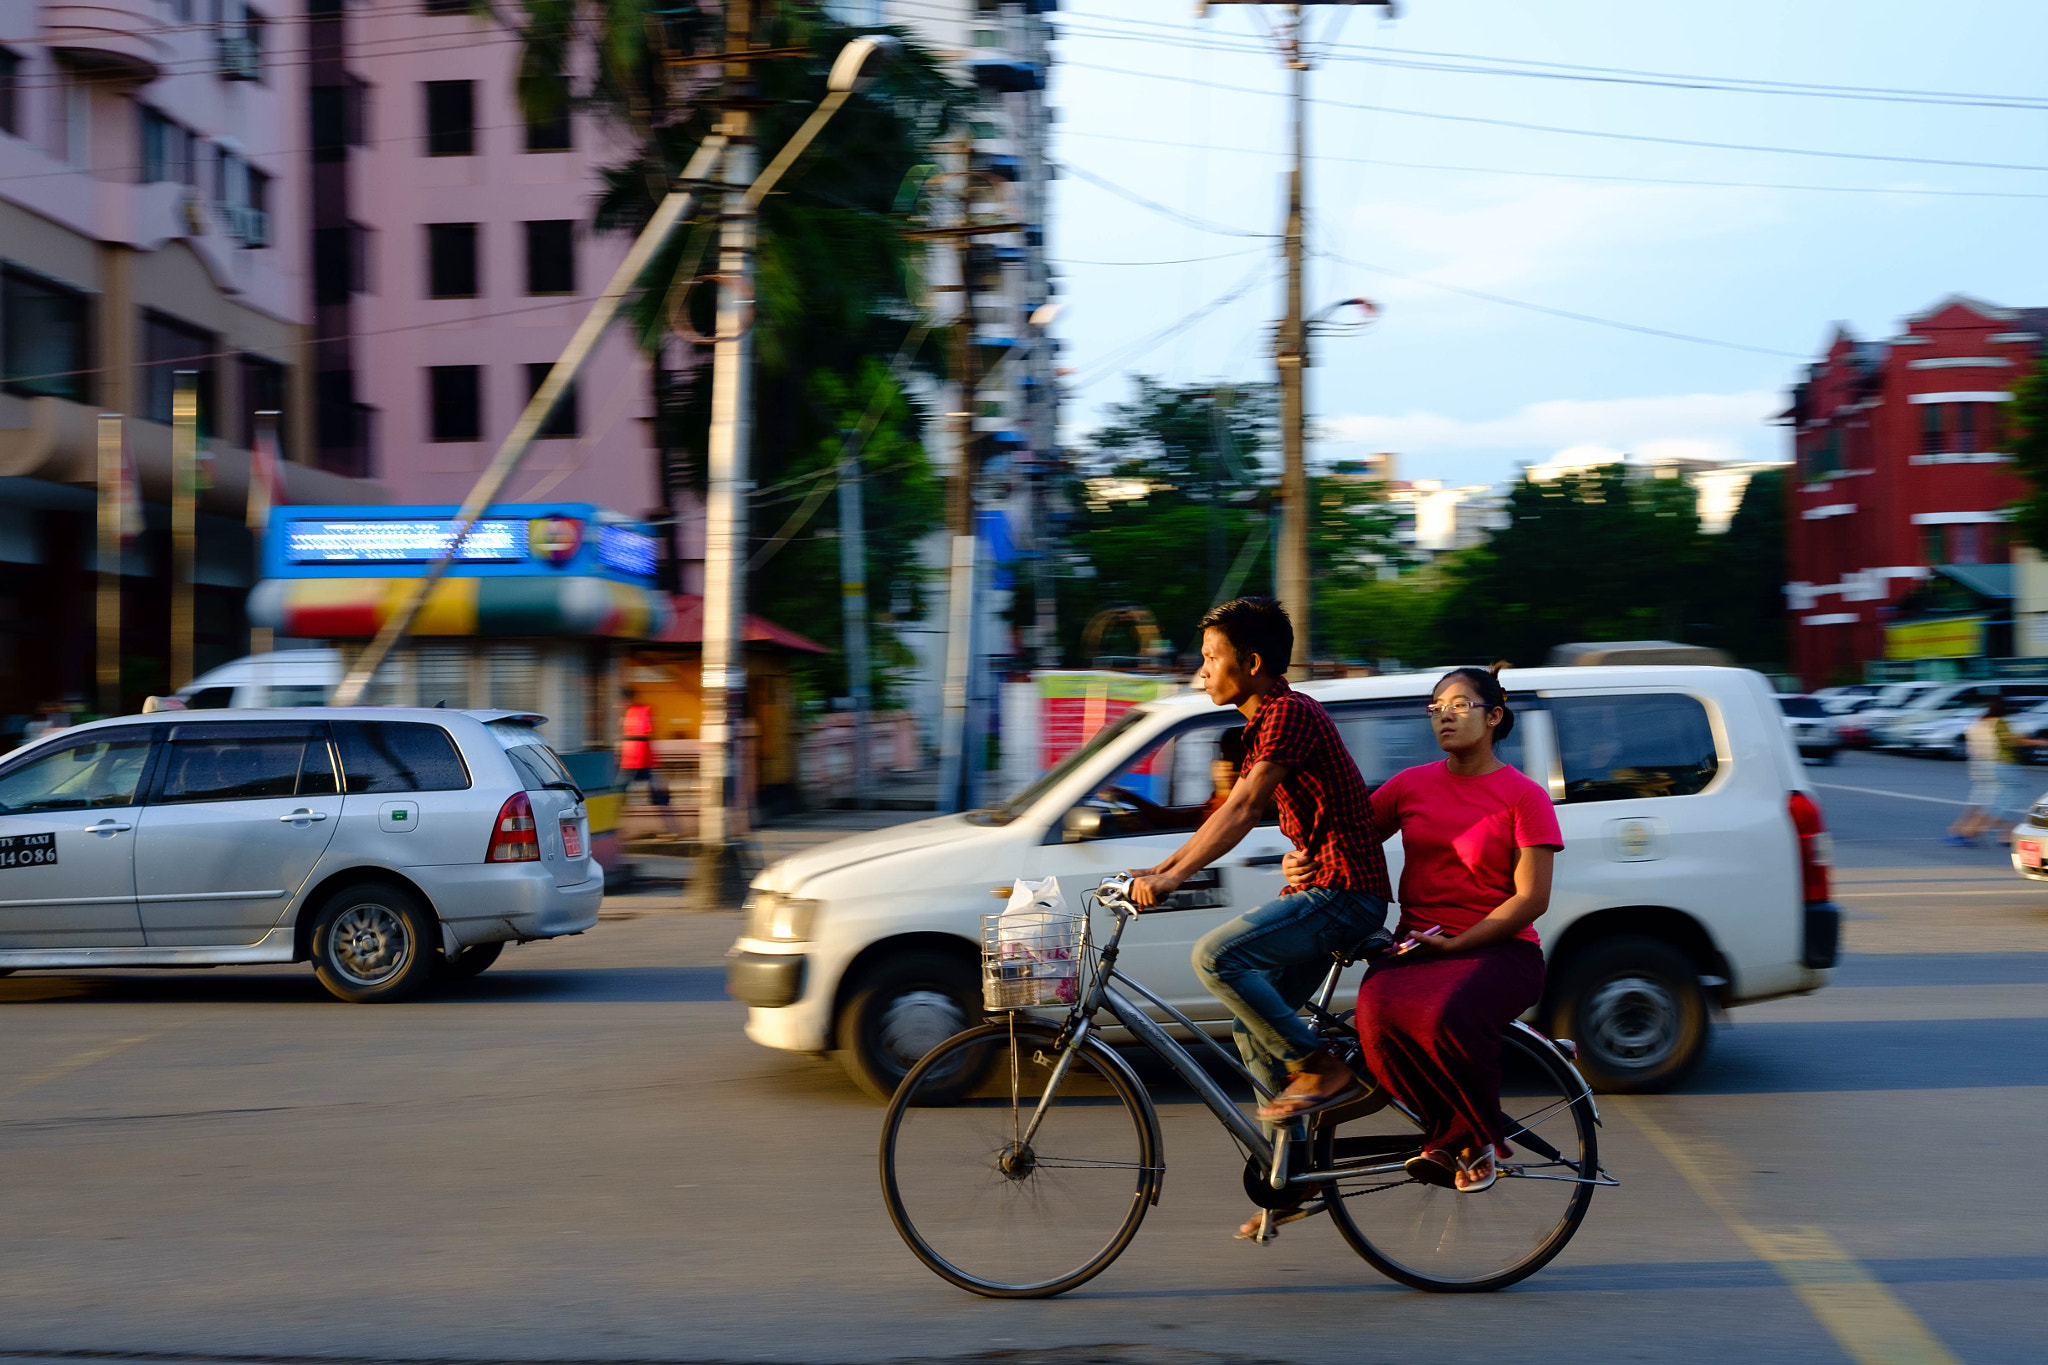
[(250, 227)]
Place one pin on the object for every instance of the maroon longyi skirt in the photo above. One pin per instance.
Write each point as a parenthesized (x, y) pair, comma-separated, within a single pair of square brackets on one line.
[(1431, 1029)]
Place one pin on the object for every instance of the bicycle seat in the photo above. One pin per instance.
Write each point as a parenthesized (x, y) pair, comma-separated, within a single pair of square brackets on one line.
[(1370, 945)]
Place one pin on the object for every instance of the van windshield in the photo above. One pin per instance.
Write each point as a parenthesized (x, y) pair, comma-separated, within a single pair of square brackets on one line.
[(1024, 800)]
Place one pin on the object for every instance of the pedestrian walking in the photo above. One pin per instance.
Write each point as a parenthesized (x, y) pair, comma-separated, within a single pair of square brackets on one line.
[(1997, 786), (637, 764)]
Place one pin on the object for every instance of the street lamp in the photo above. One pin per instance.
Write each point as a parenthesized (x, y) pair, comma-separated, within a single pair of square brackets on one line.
[(720, 881)]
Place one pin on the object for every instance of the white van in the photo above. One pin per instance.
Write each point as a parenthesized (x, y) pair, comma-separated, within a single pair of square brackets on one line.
[(1694, 873), (287, 677)]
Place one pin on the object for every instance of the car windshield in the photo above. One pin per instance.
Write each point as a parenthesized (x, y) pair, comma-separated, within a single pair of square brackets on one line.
[(1102, 739), (1801, 706)]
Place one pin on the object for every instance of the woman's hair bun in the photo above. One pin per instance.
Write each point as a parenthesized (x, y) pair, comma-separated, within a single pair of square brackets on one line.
[(1497, 665)]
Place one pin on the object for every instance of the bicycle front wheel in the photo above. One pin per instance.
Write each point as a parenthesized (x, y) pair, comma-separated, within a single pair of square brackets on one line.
[(1436, 1239), (996, 1207)]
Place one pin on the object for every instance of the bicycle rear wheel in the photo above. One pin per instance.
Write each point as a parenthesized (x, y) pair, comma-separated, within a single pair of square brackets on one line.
[(1437, 1239), (1009, 1219)]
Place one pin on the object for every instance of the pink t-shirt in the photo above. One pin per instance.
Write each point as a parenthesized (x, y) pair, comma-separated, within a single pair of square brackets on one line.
[(1459, 836)]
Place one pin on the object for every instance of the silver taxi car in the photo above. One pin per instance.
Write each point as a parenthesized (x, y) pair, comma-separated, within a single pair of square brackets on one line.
[(384, 845)]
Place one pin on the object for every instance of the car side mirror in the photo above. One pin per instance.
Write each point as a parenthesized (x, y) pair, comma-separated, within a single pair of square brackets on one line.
[(1081, 824)]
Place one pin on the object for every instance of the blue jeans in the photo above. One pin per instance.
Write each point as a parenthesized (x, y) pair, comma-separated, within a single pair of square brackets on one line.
[(1267, 962)]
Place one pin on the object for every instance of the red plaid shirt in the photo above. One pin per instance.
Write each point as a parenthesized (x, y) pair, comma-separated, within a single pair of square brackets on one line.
[(1324, 807)]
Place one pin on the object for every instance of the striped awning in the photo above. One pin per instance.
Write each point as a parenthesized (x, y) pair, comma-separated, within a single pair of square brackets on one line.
[(354, 608)]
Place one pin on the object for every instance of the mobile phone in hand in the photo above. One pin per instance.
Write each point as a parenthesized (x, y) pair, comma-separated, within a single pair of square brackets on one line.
[(1409, 944)]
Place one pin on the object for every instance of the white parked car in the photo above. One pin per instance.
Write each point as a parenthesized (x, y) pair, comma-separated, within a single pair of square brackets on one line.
[(1953, 706), (1811, 727), (1694, 872)]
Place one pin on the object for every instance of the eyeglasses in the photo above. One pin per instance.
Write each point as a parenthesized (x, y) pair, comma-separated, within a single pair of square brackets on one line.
[(1456, 706)]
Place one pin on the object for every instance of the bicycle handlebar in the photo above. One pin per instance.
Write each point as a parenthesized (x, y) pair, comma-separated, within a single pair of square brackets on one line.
[(1114, 893)]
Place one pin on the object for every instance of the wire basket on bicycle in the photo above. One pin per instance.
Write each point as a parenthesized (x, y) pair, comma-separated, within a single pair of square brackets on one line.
[(1031, 958)]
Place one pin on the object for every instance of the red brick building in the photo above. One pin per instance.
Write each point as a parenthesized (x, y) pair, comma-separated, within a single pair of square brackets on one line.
[(1895, 525)]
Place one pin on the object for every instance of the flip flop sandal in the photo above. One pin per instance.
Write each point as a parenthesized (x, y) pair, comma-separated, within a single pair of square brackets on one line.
[(1478, 1174), (1437, 1168), (1280, 1219), (1270, 1112)]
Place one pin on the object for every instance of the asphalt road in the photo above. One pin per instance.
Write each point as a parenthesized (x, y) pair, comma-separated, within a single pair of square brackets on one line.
[(578, 1157)]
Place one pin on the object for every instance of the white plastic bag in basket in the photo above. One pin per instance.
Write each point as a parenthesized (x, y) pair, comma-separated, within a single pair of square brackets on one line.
[(1042, 896), (1029, 938)]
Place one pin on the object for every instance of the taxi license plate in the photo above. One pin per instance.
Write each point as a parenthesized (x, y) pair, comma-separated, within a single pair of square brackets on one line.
[(572, 839), (2029, 851)]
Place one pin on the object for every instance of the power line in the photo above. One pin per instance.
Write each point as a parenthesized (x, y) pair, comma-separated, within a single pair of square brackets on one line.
[(1562, 175), (1571, 132), (1199, 224), (1563, 312), (1185, 260), (1519, 66), (1120, 356)]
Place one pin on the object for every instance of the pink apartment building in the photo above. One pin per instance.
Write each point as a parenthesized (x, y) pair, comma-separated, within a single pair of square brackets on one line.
[(452, 251)]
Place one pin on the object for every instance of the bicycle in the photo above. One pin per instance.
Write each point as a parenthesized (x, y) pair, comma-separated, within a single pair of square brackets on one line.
[(1034, 1189)]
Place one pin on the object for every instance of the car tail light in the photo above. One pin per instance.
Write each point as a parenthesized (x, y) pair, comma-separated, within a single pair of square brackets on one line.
[(513, 838), (1816, 850)]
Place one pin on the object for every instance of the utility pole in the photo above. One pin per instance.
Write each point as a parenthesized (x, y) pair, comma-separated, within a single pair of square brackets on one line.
[(111, 435), (853, 605), (1290, 355), (721, 814), (957, 760), (184, 517)]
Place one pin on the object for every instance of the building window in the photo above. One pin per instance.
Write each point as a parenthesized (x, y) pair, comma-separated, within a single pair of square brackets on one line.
[(330, 122), (565, 420), (551, 257), (444, 8), (10, 92), (451, 118), (1966, 428), (45, 340), (1930, 428), (167, 150), (451, 261), (341, 263), (264, 389), (168, 346), (1933, 544), (549, 133), (455, 403)]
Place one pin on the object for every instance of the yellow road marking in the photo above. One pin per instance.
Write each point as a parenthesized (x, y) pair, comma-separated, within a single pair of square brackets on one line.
[(1863, 1316), (78, 1061)]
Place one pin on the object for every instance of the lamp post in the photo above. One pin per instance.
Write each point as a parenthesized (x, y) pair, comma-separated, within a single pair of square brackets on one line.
[(720, 879)]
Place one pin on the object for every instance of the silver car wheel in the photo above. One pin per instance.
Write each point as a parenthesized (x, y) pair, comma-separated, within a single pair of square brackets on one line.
[(369, 944), (1632, 1019), (915, 1022)]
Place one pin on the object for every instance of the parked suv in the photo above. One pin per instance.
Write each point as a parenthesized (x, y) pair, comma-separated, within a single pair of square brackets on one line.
[(383, 845), (1694, 873)]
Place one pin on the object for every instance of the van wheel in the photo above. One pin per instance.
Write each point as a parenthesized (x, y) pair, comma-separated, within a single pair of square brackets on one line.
[(374, 943), (903, 1008), (471, 961), (1635, 1007)]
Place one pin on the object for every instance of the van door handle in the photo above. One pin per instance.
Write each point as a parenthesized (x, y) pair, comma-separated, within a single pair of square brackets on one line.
[(1264, 860), (296, 816), (107, 827)]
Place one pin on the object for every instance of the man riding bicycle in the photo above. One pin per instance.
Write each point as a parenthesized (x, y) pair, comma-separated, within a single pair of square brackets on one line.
[(1266, 963)]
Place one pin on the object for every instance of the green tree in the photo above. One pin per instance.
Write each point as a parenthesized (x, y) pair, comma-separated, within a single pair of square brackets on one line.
[(2027, 445), (1174, 511), (1748, 575), (1606, 554), (837, 293)]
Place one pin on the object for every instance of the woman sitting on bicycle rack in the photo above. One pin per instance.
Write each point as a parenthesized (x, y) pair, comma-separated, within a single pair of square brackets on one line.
[(1478, 839)]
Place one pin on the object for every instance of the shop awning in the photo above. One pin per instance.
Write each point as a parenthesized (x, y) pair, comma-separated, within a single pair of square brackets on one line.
[(354, 608), (686, 627)]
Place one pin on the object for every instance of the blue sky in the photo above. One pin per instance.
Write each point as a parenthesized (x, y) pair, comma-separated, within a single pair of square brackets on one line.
[(1465, 388)]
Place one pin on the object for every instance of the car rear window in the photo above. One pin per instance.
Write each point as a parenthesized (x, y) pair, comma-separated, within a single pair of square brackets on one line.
[(236, 762), (1623, 747), (397, 756), (1801, 706), (539, 767)]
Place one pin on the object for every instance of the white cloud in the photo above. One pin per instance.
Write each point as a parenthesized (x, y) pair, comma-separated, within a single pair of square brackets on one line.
[(1711, 426)]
